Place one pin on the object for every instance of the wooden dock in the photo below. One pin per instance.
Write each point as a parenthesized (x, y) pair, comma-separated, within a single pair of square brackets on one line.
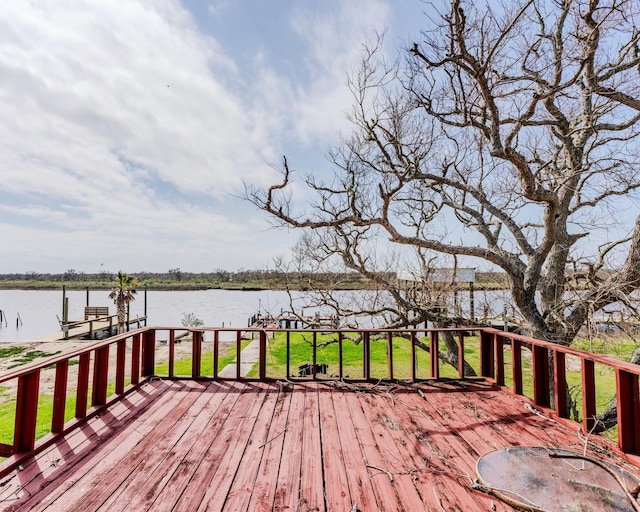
[(87, 329)]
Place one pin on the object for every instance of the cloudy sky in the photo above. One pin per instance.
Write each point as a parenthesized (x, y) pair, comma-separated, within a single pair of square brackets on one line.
[(128, 126)]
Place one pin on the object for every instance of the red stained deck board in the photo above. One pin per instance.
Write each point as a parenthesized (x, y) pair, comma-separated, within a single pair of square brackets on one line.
[(357, 474), (264, 490), (311, 480), (287, 488), (338, 496)]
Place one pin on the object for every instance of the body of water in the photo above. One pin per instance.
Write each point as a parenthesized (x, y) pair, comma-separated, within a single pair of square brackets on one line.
[(30, 314), (36, 312)]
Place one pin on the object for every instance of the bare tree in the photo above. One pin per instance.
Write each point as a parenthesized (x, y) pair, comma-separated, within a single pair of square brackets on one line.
[(506, 135)]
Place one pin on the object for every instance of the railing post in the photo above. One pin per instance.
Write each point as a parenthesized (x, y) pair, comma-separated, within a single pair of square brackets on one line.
[(148, 353), (433, 349), (60, 396), (486, 354), (560, 384), (588, 394), (263, 355), (24, 436), (540, 362), (628, 411), (196, 350)]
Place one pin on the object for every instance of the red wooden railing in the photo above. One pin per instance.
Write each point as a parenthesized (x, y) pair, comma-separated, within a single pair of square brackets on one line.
[(135, 358)]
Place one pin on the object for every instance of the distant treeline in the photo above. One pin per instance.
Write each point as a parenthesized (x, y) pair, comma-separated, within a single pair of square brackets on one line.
[(176, 279)]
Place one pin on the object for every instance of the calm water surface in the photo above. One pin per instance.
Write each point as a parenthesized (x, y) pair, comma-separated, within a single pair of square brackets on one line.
[(39, 309)]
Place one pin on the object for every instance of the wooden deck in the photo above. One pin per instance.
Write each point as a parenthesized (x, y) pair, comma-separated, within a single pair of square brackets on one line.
[(189, 445)]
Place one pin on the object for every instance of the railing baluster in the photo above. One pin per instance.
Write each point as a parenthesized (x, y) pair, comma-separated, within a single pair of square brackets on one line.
[(540, 362), (238, 356), (486, 354), (82, 393), (100, 376), (628, 411), (149, 353), (288, 354), (135, 359), (390, 355), (498, 342), (340, 360), (216, 342), (263, 355), (314, 355), (24, 435), (366, 363), (196, 351), (560, 384), (172, 353), (516, 362), (60, 396), (588, 394), (435, 363), (413, 356), (461, 354), (120, 365)]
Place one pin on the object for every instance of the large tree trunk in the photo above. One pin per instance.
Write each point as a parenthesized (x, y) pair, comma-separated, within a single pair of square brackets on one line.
[(609, 417)]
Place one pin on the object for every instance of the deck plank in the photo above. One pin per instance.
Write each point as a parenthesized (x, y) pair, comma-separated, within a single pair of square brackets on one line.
[(264, 491), (311, 480), (357, 475), (287, 488)]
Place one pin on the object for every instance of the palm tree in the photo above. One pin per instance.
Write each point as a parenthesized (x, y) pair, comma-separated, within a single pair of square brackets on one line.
[(123, 293)]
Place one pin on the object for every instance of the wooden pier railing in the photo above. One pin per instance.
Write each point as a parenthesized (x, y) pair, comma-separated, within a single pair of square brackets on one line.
[(109, 369)]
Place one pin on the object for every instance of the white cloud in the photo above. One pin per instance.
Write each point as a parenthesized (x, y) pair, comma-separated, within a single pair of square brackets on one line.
[(125, 128)]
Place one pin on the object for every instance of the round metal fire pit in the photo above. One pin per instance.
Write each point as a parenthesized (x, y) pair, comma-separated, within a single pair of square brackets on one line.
[(545, 480)]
